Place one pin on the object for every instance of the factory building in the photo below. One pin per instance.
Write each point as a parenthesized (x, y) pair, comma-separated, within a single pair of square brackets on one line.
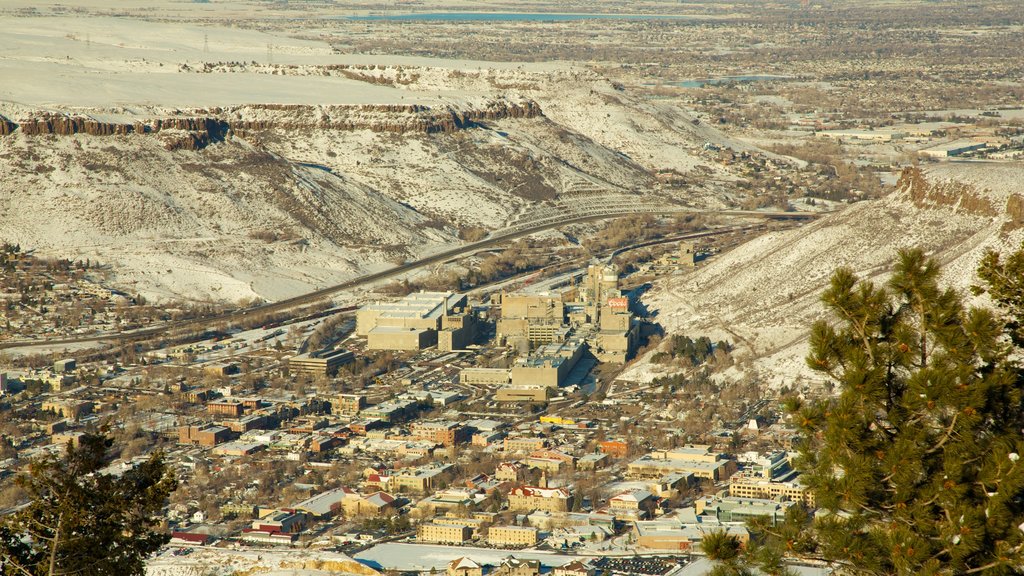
[(416, 321)]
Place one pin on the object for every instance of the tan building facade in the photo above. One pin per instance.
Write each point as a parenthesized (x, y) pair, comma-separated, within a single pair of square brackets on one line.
[(512, 536), (443, 533)]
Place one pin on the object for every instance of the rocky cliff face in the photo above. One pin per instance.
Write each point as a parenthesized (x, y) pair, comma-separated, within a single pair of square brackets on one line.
[(213, 125)]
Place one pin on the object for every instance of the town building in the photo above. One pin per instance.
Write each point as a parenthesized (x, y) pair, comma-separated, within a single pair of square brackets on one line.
[(693, 459), (434, 533), (413, 322), (349, 404), (574, 568), (529, 498), (513, 566), (633, 505), (549, 365), (512, 536), (464, 567), (225, 407), (320, 363), (743, 486), (208, 436), (440, 432)]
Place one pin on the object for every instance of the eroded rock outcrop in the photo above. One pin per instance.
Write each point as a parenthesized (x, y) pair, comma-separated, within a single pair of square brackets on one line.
[(207, 126)]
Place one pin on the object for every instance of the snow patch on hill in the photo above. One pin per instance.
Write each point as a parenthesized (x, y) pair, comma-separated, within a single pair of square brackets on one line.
[(764, 295)]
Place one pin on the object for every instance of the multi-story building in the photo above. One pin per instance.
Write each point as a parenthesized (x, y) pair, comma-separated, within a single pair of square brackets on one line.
[(743, 486), (442, 432), (695, 459), (524, 443), (484, 376), (633, 505), (225, 407), (413, 322), (203, 435), (529, 498), (350, 404), (320, 363), (512, 536), (549, 365), (443, 533)]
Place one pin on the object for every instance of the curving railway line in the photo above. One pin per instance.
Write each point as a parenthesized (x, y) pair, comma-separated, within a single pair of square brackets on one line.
[(318, 295)]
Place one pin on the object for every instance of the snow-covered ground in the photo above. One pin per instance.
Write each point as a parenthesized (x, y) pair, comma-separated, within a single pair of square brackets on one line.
[(269, 562), (342, 200), (764, 295)]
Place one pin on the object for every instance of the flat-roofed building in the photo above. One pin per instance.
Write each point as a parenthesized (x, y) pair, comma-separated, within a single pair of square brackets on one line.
[(536, 393), (443, 533), (320, 363), (694, 459), (484, 376), (733, 509), (743, 486), (413, 322), (512, 536), (672, 535), (440, 432), (350, 404), (225, 407), (954, 148), (549, 365), (524, 443), (208, 436)]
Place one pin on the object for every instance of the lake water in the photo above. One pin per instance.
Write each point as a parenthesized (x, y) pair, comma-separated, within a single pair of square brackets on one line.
[(511, 17), (700, 83)]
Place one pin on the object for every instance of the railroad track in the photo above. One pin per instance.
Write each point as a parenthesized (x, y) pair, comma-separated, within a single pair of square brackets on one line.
[(324, 293)]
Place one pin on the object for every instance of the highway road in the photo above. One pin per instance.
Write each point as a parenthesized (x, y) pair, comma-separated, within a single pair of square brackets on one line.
[(318, 295)]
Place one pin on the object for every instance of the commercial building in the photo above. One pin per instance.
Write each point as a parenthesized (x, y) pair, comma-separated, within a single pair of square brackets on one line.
[(350, 404), (743, 486), (442, 432), (524, 443), (320, 363), (954, 148), (672, 535), (733, 509), (535, 393), (484, 376), (413, 322), (512, 536), (443, 533), (226, 407), (694, 459), (203, 435)]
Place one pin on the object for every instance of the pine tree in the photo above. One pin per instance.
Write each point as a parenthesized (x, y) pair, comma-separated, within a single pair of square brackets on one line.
[(1004, 282), (83, 522), (916, 463)]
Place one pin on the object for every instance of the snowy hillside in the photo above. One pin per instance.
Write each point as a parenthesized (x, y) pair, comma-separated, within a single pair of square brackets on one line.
[(765, 295)]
